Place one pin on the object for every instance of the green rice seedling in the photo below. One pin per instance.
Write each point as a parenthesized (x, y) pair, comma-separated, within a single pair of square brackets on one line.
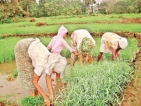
[(32, 101), (98, 23), (93, 85), (14, 74), (129, 53), (45, 40), (5, 102), (7, 49)]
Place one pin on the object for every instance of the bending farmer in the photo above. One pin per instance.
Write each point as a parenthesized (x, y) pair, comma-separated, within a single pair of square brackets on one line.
[(32, 58), (112, 43), (82, 42)]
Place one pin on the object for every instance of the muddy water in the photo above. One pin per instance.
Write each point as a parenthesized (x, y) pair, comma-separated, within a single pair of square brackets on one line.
[(7, 68), (13, 88)]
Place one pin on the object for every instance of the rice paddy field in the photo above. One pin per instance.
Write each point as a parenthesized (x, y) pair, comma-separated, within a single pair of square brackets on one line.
[(98, 84)]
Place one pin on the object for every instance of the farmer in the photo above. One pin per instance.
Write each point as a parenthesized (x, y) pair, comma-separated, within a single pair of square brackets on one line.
[(57, 43), (32, 58), (82, 42), (112, 43)]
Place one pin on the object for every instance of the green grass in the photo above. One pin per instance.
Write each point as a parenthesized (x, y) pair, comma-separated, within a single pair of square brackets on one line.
[(71, 27), (99, 84), (32, 101), (97, 23), (14, 74), (7, 46), (7, 49)]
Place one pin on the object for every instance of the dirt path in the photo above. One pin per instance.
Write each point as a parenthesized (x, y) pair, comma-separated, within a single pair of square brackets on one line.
[(132, 94)]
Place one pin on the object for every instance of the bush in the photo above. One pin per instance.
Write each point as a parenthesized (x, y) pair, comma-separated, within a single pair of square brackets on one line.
[(5, 21), (103, 11)]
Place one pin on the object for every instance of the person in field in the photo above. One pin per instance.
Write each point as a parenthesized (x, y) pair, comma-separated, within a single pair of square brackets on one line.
[(112, 43), (57, 43), (83, 43), (32, 59)]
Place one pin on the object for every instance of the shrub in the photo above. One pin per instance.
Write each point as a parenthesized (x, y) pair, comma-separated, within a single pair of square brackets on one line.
[(6, 21)]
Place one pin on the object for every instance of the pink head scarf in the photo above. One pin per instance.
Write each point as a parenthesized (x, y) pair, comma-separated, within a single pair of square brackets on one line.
[(62, 30)]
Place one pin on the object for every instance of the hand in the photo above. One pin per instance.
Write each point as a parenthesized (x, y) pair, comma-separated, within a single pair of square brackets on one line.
[(75, 53), (51, 99), (47, 102)]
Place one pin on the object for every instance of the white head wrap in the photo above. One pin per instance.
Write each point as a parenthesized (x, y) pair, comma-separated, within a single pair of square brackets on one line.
[(123, 43)]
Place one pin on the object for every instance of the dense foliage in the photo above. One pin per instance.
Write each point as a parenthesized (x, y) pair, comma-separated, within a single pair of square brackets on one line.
[(64, 7), (99, 84)]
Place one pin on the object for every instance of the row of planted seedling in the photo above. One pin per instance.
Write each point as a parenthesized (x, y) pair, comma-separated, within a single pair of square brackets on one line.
[(98, 84), (7, 46)]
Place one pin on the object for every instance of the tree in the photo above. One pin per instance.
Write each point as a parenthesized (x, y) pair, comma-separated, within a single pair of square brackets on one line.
[(11, 8), (110, 5), (120, 7), (88, 3)]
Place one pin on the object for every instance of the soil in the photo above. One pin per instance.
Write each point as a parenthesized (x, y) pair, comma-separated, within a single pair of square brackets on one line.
[(132, 94)]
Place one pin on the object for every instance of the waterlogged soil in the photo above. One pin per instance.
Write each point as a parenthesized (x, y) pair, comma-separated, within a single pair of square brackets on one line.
[(12, 91), (7, 68)]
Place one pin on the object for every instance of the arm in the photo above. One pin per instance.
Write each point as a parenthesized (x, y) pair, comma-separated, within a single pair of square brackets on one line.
[(69, 48), (115, 53), (80, 59), (50, 45), (99, 56)]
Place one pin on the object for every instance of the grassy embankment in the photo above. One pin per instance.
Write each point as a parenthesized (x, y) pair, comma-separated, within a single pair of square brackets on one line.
[(97, 23)]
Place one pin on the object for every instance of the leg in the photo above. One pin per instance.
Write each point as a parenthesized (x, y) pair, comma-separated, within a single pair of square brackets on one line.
[(89, 59), (58, 80), (99, 56), (118, 55), (80, 58), (53, 77)]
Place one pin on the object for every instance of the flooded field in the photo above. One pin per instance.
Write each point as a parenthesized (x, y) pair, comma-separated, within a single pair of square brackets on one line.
[(7, 68), (12, 89)]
